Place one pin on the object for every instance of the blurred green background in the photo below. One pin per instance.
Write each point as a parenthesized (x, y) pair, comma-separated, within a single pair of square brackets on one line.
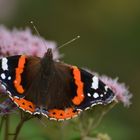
[(109, 44)]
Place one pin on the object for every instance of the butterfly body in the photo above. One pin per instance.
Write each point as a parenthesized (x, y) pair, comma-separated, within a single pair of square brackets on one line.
[(54, 89)]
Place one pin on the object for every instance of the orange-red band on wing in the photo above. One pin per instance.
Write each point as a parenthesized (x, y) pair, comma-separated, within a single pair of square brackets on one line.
[(24, 104), (80, 92), (62, 114), (53, 113), (19, 71)]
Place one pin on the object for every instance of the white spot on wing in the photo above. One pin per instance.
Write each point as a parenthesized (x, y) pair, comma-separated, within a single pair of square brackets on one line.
[(53, 119), (101, 95), (106, 88), (89, 95), (27, 111), (72, 117), (16, 97), (37, 113), (68, 118), (3, 76), (4, 64), (60, 119), (87, 108), (45, 115), (9, 78), (95, 82), (3, 86), (95, 95), (93, 105), (80, 110), (9, 92)]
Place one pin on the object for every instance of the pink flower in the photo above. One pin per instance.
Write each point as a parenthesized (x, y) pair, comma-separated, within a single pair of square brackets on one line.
[(17, 42), (7, 107), (121, 91)]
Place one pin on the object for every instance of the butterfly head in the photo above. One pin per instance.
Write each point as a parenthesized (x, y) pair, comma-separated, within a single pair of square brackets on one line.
[(47, 58), (48, 55)]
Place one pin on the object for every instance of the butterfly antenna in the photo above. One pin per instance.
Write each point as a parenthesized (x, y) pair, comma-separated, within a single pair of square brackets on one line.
[(59, 47), (36, 30), (65, 44)]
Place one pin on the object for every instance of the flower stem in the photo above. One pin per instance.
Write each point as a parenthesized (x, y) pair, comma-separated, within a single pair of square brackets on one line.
[(18, 128), (20, 125), (88, 125), (6, 136), (1, 123)]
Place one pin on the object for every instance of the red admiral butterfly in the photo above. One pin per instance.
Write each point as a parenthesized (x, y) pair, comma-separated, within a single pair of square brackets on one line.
[(54, 89)]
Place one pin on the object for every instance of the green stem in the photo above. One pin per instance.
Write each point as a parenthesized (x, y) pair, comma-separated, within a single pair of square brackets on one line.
[(6, 136), (20, 125), (1, 123), (18, 128), (94, 122), (63, 130)]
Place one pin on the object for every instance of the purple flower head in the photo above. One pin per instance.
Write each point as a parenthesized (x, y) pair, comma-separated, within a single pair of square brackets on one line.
[(17, 42), (121, 91), (7, 107)]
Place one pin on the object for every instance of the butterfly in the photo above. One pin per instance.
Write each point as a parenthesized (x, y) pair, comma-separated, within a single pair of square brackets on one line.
[(51, 88)]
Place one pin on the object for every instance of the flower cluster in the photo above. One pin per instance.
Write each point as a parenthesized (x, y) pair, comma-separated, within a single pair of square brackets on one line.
[(122, 93), (17, 42)]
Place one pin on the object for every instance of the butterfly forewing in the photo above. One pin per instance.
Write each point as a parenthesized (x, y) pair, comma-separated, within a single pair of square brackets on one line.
[(95, 91), (11, 74)]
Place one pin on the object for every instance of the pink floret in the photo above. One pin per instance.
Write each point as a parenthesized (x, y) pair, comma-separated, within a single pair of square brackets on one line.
[(17, 42), (121, 91)]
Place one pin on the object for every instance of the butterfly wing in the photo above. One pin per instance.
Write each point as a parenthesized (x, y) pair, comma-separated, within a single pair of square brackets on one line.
[(11, 72), (14, 79), (94, 91)]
